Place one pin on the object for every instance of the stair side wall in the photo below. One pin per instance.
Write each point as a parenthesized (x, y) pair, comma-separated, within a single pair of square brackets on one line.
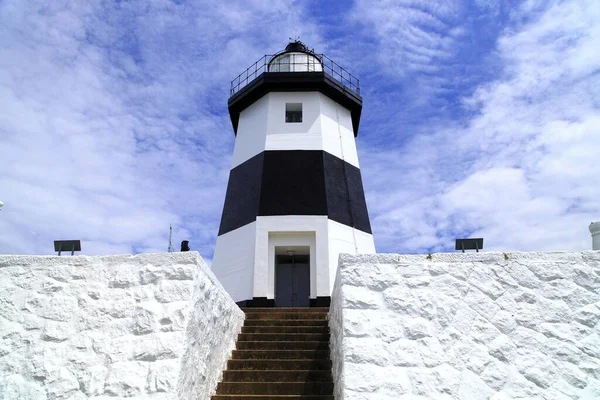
[(475, 325), (336, 340), (211, 336)]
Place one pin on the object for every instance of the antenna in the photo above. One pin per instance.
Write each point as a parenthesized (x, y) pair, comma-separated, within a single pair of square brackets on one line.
[(170, 248)]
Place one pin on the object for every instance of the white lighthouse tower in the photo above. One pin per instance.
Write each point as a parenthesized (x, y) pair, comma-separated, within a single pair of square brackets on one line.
[(295, 198)]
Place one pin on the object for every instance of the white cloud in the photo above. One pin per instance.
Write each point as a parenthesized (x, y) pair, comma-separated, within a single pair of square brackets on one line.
[(113, 117), (113, 123), (411, 36), (410, 56), (522, 172)]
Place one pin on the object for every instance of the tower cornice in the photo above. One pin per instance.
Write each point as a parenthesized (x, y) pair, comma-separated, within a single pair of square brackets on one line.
[(295, 82)]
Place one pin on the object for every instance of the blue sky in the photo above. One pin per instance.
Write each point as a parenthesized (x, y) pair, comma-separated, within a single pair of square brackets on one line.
[(481, 118)]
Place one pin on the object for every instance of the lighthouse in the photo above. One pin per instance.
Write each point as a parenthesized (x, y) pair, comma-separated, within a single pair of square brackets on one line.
[(295, 198)]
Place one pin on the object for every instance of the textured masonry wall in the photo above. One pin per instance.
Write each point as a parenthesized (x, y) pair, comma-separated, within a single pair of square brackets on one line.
[(467, 326), (211, 334), (106, 327)]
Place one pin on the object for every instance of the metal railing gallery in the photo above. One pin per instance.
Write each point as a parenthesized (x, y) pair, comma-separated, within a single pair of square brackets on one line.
[(312, 63)]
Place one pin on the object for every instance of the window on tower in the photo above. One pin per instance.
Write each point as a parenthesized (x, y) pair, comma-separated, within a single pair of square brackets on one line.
[(293, 112)]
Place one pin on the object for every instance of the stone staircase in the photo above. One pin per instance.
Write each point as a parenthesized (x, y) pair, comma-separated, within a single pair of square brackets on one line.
[(282, 353)]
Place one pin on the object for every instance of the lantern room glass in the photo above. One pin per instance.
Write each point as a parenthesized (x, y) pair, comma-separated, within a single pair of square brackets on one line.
[(295, 62)]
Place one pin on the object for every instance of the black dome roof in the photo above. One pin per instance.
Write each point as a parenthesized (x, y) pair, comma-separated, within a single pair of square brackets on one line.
[(296, 46)]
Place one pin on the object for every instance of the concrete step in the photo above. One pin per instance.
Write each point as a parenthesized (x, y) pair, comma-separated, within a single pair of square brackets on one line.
[(283, 337), (268, 388), (272, 397), (286, 322), (280, 355), (285, 329), (275, 345), (286, 315), (281, 364), (277, 376), (285, 309)]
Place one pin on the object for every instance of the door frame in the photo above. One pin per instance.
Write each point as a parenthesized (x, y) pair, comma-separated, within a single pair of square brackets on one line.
[(293, 239)]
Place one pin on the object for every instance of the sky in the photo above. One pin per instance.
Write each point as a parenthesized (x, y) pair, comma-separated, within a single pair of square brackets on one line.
[(480, 118)]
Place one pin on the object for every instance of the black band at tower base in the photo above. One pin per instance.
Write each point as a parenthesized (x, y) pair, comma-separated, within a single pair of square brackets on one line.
[(263, 302)]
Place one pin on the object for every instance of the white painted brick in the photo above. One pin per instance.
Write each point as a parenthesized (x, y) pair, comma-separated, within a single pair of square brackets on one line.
[(361, 298), (504, 321), (472, 387), (472, 326), (113, 327)]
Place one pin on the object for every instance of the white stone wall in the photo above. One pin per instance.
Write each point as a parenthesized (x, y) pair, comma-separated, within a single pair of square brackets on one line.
[(467, 326), (210, 338), (105, 327)]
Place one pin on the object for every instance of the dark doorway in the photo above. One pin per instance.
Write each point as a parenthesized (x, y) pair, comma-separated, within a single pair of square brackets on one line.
[(292, 280)]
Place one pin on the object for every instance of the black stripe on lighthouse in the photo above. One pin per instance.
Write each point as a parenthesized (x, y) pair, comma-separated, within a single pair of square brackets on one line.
[(295, 182)]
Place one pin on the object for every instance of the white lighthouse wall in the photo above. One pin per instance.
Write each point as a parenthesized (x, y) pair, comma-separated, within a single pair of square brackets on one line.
[(307, 132), (252, 127), (300, 230), (233, 261), (325, 125), (342, 239), (244, 260), (337, 131)]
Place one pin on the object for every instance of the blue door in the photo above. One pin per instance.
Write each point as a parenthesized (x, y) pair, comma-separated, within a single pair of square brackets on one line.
[(292, 281)]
